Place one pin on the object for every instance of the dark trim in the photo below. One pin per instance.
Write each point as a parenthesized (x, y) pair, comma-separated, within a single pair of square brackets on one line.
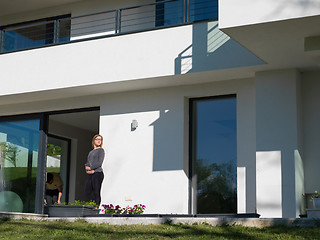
[(20, 117), (27, 116), (41, 166), (214, 97), (191, 121), (86, 109), (68, 162)]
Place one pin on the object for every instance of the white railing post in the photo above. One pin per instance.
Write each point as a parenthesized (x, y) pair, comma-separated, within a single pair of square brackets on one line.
[(56, 31)]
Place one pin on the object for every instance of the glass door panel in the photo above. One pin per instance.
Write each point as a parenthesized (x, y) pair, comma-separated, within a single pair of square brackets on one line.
[(19, 141), (214, 155), (57, 161)]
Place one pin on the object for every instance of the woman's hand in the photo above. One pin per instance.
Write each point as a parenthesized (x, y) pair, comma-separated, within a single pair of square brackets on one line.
[(90, 171)]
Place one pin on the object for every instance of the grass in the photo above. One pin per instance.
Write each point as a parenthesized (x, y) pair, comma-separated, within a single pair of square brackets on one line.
[(30, 229)]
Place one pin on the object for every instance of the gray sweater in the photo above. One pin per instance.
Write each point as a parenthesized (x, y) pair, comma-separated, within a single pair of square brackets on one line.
[(95, 159)]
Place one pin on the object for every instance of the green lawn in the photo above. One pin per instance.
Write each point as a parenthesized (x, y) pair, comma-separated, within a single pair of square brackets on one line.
[(29, 229)]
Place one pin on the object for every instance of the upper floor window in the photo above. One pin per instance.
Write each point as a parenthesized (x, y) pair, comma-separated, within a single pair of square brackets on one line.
[(179, 11), (35, 33)]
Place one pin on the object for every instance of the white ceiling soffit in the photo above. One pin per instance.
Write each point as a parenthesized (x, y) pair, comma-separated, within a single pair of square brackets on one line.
[(281, 44), (8, 7)]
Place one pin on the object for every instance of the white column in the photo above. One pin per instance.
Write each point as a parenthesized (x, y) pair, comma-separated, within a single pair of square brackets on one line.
[(277, 139)]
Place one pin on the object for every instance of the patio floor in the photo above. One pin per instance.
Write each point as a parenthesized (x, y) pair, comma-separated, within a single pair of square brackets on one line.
[(147, 219)]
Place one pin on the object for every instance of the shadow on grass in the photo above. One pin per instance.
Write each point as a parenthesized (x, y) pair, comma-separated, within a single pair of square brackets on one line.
[(84, 230)]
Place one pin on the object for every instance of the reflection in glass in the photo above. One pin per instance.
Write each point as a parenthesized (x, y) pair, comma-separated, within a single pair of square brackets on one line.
[(18, 165), (172, 12), (169, 13), (35, 35), (57, 161), (215, 155), (203, 10)]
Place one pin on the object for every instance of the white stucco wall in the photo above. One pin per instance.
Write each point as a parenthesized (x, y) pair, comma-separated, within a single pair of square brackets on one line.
[(150, 164), (127, 57), (165, 52), (234, 13), (278, 158)]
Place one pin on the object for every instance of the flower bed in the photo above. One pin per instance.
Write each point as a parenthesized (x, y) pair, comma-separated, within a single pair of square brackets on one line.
[(111, 209)]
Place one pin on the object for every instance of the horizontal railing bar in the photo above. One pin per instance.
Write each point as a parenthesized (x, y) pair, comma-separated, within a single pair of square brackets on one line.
[(130, 20), (87, 15), (93, 26), (92, 14), (106, 23), (90, 32), (114, 10), (77, 24), (27, 25), (195, 3), (93, 20), (148, 4)]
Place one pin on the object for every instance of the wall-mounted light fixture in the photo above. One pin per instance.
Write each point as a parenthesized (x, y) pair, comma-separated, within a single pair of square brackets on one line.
[(134, 125)]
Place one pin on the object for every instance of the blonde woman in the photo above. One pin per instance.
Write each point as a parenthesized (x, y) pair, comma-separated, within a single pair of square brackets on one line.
[(93, 168)]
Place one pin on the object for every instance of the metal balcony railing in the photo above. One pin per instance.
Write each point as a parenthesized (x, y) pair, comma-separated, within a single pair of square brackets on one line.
[(123, 20)]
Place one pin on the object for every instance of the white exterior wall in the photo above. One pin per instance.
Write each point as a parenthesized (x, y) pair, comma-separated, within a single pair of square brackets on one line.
[(96, 61), (150, 165), (311, 134), (233, 13), (117, 59), (278, 150)]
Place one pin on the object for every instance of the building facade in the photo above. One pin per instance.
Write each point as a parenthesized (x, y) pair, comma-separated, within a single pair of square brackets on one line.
[(205, 106)]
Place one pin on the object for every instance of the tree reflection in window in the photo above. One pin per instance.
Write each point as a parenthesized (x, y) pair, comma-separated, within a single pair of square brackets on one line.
[(215, 189)]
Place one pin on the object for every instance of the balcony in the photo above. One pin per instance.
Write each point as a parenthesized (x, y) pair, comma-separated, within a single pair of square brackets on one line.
[(63, 29)]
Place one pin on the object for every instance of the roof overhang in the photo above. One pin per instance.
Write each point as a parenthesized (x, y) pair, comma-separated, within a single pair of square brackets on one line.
[(293, 43)]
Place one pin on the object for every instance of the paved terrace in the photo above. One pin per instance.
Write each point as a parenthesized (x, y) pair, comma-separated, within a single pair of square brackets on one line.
[(146, 219)]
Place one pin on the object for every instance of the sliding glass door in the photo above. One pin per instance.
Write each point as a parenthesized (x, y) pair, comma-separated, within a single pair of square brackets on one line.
[(19, 145), (58, 159), (214, 155)]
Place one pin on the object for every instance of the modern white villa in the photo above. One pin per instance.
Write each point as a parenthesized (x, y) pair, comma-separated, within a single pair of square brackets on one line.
[(205, 106)]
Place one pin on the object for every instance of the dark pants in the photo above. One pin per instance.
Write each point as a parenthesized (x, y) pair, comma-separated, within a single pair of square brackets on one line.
[(93, 185), (52, 196)]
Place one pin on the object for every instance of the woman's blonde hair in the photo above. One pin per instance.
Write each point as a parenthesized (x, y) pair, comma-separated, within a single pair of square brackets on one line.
[(94, 138)]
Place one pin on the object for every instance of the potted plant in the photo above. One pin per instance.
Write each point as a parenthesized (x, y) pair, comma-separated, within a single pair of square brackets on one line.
[(76, 209), (315, 198)]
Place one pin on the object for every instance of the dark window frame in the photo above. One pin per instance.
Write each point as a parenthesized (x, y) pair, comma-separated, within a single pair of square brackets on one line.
[(192, 135), (42, 147)]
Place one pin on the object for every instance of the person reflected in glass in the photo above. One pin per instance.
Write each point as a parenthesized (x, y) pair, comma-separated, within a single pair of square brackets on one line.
[(94, 170), (53, 189)]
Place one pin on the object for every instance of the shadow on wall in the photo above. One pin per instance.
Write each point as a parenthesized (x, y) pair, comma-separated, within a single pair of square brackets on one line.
[(166, 144), (211, 49)]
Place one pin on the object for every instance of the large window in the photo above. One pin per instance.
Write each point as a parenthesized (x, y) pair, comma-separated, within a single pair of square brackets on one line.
[(214, 155), (19, 141)]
